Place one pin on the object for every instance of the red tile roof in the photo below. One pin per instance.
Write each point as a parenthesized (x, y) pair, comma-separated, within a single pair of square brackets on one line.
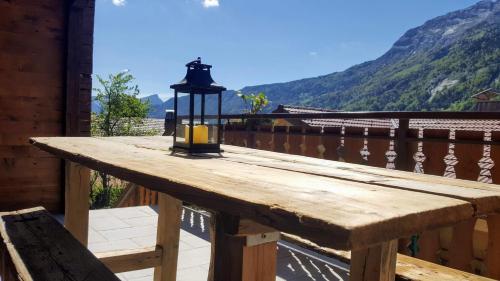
[(474, 125)]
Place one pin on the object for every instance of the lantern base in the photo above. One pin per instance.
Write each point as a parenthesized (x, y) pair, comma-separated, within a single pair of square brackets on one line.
[(196, 148)]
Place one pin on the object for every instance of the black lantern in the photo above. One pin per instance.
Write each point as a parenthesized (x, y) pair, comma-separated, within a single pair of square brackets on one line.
[(197, 136)]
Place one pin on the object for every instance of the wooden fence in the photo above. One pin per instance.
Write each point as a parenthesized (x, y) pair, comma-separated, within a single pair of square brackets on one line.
[(463, 149)]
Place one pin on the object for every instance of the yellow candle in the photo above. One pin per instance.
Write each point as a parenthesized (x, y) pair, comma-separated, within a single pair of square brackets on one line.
[(200, 134)]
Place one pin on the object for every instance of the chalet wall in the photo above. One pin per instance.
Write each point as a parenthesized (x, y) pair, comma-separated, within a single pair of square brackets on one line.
[(40, 84)]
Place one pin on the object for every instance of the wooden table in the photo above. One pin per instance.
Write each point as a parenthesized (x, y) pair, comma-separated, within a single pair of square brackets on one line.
[(256, 193)]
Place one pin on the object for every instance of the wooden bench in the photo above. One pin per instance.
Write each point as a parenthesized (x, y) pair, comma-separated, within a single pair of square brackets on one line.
[(35, 246)]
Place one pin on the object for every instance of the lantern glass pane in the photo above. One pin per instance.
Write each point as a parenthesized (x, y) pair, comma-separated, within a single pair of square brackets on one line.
[(182, 117)]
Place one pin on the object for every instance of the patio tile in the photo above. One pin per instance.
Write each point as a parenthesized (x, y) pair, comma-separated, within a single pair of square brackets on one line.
[(107, 223), (141, 221), (114, 245), (128, 232), (95, 236), (145, 241), (192, 240), (132, 212), (294, 263), (194, 257), (196, 273), (134, 275), (102, 213)]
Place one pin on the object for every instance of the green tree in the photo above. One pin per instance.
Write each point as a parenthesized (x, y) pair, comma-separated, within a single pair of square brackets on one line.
[(255, 103), (121, 114), (121, 110)]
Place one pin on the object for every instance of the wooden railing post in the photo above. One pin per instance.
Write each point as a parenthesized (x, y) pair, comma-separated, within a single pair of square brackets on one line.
[(76, 206), (402, 162), (242, 250)]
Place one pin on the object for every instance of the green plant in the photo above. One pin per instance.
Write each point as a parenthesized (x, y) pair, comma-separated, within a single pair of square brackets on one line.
[(254, 103), (121, 114), (121, 110)]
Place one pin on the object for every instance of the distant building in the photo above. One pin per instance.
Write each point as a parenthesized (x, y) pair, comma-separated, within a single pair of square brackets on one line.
[(485, 101)]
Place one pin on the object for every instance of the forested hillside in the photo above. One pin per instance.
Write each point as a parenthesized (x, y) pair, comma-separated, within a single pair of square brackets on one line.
[(436, 66)]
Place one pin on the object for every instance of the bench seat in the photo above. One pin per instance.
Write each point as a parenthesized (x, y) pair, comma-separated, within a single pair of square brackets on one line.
[(35, 246)]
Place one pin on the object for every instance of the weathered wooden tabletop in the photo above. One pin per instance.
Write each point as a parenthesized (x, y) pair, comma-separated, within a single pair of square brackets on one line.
[(333, 204)]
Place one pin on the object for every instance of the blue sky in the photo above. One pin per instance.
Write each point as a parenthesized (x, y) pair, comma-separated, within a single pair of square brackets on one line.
[(250, 42)]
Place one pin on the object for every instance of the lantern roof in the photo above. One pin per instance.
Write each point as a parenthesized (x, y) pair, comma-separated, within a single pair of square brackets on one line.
[(198, 80)]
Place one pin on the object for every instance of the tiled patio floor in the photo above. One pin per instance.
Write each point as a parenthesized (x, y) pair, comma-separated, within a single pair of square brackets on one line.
[(135, 227)]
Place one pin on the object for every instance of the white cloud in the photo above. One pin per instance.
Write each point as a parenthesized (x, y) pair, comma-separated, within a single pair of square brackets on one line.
[(119, 2), (313, 53), (209, 3)]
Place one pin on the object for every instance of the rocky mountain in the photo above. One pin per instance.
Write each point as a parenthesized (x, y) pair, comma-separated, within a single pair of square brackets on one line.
[(436, 66), (154, 100)]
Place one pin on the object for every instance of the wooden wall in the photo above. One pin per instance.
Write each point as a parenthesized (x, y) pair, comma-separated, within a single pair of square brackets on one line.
[(45, 82)]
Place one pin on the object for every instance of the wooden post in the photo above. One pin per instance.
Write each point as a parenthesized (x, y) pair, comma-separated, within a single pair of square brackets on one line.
[(242, 250), (377, 263), (461, 250), (76, 206), (402, 146), (169, 226), (493, 252)]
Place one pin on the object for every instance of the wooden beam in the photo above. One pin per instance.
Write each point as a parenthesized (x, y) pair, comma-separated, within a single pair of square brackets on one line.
[(129, 260), (461, 249), (377, 263), (493, 252), (245, 255), (79, 66), (76, 213), (169, 226)]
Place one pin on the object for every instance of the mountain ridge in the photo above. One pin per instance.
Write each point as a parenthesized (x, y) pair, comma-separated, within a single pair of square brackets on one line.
[(435, 66)]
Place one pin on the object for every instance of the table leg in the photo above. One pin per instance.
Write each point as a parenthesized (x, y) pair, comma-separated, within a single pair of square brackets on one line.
[(242, 250), (76, 205), (169, 226), (461, 251), (493, 251), (377, 263)]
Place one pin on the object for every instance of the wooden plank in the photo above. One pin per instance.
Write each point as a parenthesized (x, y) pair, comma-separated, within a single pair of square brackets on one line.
[(41, 249), (38, 115), (33, 63), (169, 226), (31, 89), (76, 211), (12, 43), (461, 251), (35, 127), (30, 20), (22, 151), (42, 80), (336, 213), (484, 197), (79, 67), (30, 103), (130, 260), (493, 252), (22, 138)]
